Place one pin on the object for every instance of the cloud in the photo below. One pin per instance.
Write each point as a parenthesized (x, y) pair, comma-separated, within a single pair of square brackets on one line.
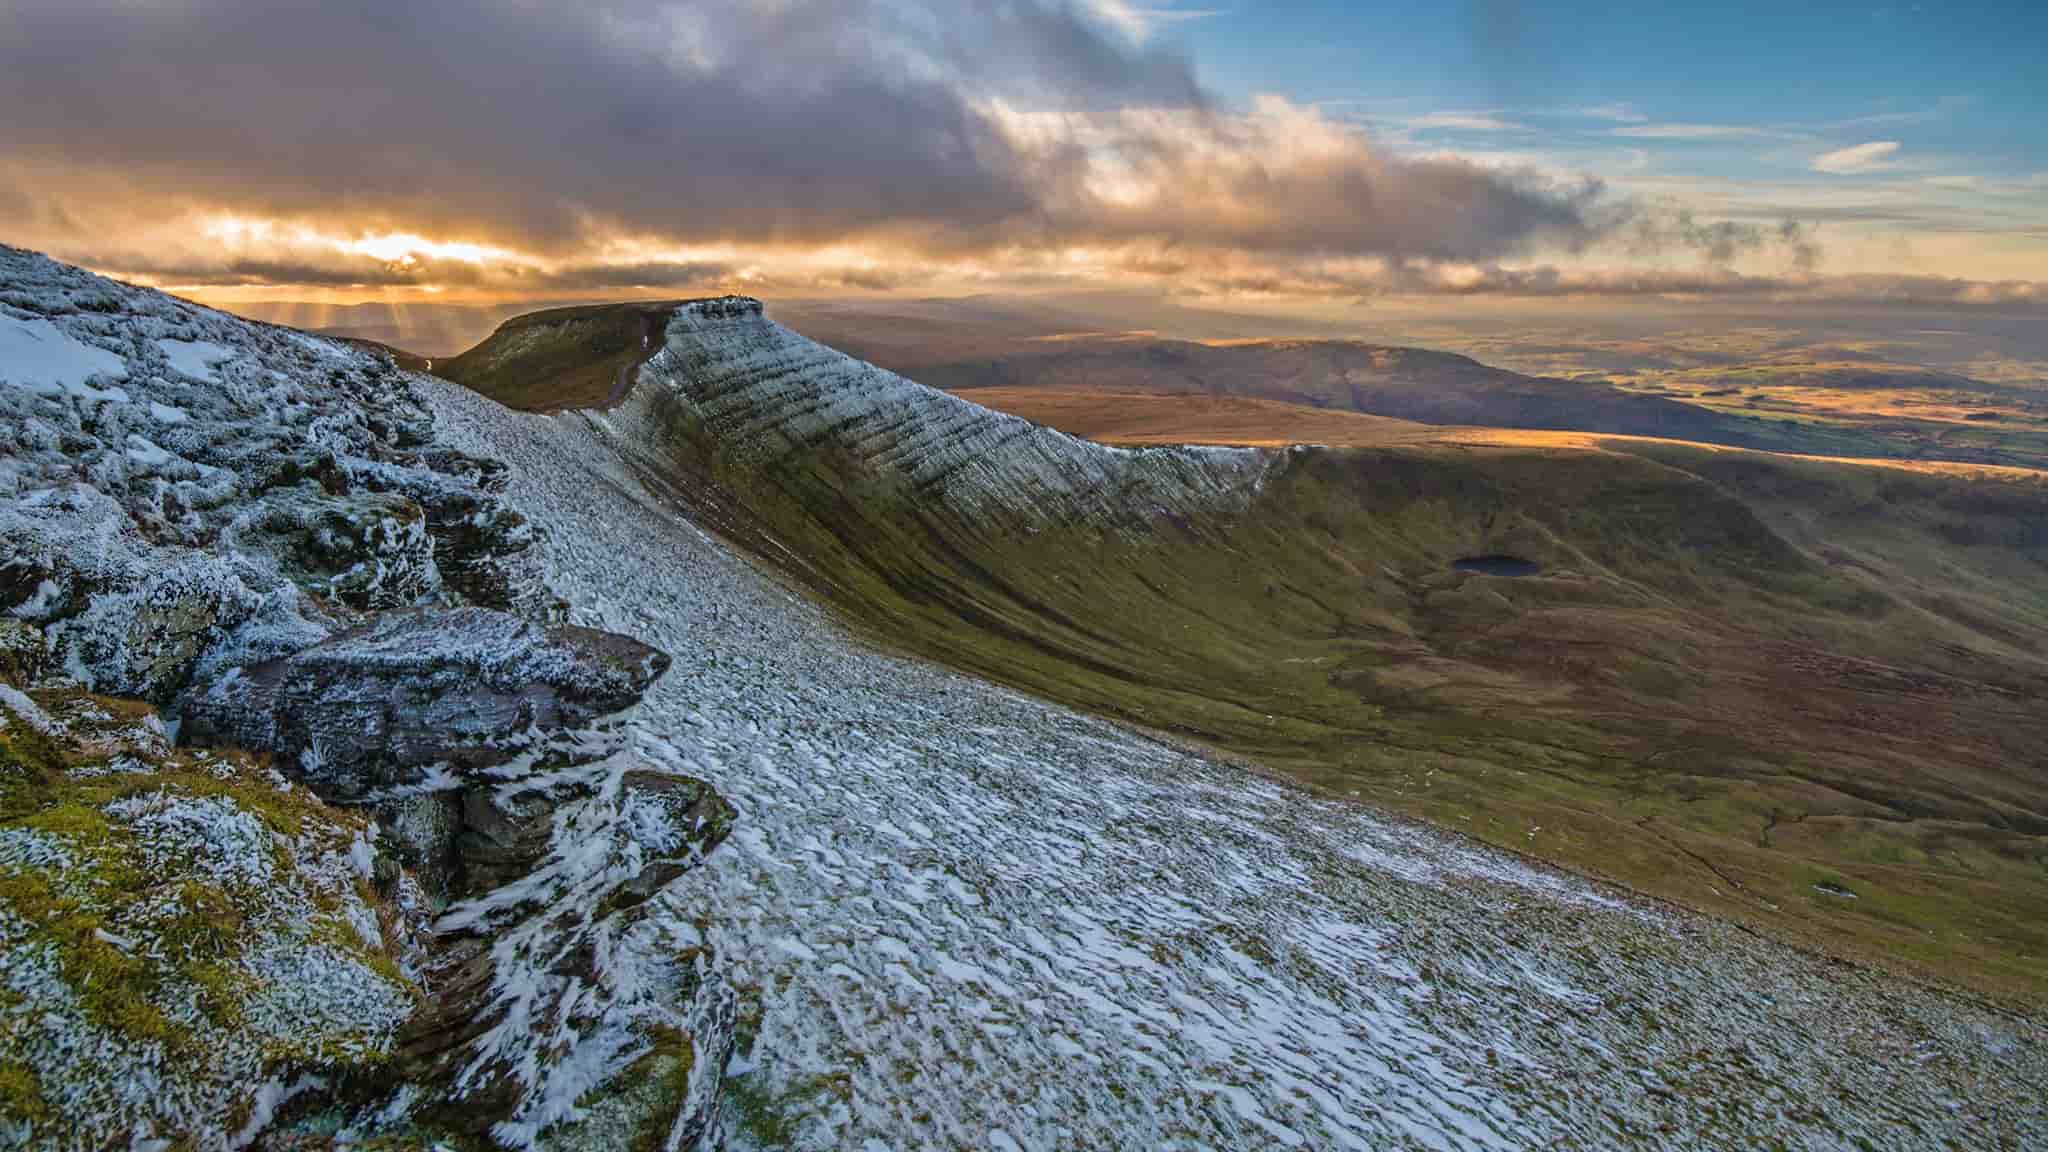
[(638, 146), (922, 124), (1721, 242), (1361, 280), (1141, 21), (1464, 122), (795, 120), (1694, 132), (1617, 113), (1872, 157), (1282, 178)]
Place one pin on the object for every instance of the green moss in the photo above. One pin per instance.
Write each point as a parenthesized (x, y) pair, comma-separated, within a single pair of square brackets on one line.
[(666, 1069), (221, 990), (760, 1115), (21, 1093), (108, 896), (207, 926), (28, 760)]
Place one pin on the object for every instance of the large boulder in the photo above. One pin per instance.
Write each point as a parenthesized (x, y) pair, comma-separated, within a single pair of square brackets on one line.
[(416, 695), (190, 614)]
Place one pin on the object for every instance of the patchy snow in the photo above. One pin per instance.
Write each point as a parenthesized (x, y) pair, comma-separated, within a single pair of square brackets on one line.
[(145, 452), (195, 358), (959, 916), (17, 702), (36, 355), (211, 835)]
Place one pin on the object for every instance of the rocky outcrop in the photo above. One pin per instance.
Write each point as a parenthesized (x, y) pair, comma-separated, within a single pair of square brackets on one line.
[(413, 696), (391, 879)]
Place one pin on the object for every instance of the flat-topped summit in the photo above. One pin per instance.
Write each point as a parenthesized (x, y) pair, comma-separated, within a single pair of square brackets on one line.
[(721, 308)]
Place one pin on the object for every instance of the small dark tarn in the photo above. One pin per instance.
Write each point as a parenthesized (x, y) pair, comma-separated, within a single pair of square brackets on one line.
[(1835, 890), (1495, 565)]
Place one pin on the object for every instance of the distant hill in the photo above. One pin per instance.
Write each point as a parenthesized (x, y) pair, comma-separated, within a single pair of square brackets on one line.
[(580, 357), (1448, 389)]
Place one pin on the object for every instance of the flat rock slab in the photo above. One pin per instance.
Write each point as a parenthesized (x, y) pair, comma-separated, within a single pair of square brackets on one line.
[(386, 706)]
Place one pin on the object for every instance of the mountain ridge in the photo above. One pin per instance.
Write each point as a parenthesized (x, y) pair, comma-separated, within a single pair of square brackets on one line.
[(806, 892), (1179, 616)]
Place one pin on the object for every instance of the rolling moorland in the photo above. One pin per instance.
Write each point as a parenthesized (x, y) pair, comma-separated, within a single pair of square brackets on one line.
[(1791, 402), (1800, 694)]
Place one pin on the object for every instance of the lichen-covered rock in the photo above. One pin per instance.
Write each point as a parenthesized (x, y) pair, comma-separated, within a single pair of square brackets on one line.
[(501, 839), (59, 545), (181, 933), (411, 696), (196, 611), (368, 550), (21, 651)]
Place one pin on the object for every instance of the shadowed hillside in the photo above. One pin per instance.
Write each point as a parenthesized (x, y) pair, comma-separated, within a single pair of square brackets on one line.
[(563, 358), (1804, 695)]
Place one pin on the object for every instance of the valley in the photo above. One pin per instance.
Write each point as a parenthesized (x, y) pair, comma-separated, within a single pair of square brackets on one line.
[(1739, 681), (1818, 400)]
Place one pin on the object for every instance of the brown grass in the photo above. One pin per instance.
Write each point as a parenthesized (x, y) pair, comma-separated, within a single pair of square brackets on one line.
[(1139, 418)]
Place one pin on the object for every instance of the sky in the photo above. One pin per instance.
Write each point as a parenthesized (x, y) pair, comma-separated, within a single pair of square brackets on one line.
[(1320, 155)]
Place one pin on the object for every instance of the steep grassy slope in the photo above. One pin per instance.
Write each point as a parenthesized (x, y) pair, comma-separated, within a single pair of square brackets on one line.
[(563, 358), (1807, 696)]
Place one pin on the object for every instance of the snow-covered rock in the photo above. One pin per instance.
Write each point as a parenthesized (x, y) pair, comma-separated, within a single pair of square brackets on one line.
[(262, 531), (414, 695)]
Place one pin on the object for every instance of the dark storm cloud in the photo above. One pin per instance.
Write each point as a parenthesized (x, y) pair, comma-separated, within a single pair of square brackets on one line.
[(798, 121), (725, 118)]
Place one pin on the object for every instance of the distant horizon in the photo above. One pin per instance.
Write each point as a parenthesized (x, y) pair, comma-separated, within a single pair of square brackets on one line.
[(1326, 159), (1537, 337)]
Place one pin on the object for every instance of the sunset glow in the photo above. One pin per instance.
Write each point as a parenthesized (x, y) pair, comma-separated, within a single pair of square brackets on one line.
[(1299, 152)]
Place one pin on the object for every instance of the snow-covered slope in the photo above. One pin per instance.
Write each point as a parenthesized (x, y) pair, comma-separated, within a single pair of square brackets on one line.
[(963, 918)]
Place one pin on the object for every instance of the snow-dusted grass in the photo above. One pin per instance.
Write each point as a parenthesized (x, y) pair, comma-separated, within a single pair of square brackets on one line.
[(962, 918), (174, 930)]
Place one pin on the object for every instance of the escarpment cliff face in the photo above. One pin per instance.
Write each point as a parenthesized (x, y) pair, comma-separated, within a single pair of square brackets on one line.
[(767, 399), (315, 815), (1657, 625)]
